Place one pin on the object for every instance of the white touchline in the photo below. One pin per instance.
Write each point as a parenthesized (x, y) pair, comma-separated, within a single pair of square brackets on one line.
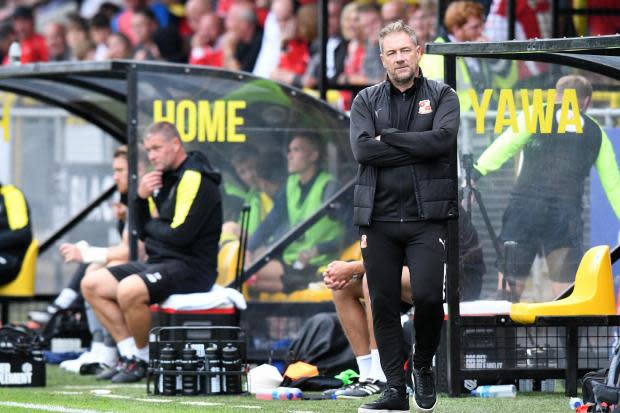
[(49, 408)]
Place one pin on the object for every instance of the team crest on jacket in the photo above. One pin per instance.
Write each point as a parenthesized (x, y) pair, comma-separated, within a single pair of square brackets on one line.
[(425, 107)]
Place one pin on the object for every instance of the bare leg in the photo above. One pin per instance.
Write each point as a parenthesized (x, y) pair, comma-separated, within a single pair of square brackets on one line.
[(133, 299), (269, 278), (352, 317), (99, 289)]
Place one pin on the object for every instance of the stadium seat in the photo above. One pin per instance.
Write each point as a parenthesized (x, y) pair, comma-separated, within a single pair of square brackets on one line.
[(227, 263), (593, 293), (23, 285)]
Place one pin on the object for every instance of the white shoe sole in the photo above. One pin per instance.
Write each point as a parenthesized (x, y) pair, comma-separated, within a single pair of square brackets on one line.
[(421, 409), (364, 410)]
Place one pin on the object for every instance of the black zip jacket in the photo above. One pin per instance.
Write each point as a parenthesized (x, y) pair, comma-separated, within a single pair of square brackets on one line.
[(427, 147), (190, 218)]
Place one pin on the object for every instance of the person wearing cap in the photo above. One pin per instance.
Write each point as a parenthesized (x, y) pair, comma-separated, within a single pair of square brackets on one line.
[(32, 44)]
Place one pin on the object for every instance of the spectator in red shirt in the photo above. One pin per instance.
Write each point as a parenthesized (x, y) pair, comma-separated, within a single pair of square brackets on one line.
[(32, 44), (205, 50)]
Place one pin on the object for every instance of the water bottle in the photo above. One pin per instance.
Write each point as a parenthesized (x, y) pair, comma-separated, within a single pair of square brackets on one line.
[(15, 53), (506, 390), (167, 361), (212, 366), (280, 393), (189, 363), (574, 403), (231, 363)]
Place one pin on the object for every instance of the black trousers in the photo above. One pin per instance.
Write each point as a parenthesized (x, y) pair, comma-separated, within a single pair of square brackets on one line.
[(385, 246)]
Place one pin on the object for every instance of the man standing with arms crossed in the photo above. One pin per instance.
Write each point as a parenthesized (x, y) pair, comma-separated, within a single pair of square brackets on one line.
[(403, 132), (181, 239)]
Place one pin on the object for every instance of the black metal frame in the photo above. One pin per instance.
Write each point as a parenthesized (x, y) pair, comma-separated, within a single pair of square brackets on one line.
[(595, 54)]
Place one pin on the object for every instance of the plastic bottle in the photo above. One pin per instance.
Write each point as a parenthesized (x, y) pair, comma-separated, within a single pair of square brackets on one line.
[(15, 53), (280, 393), (574, 403), (189, 363), (231, 362), (212, 365), (167, 361), (506, 390)]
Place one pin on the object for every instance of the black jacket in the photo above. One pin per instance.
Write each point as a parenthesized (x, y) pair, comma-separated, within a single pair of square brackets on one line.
[(190, 218), (429, 146)]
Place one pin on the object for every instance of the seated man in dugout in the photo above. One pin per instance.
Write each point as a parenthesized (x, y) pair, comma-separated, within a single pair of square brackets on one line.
[(15, 232), (306, 189), (181, 237)]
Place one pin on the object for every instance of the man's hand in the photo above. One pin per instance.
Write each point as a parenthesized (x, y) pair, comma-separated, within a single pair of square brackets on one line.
[(339, 274), (150, 182), (120, 211), (71, 253)]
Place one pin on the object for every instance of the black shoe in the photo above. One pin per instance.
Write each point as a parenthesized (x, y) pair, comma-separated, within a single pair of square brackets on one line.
[(391, 400), (135, 370), (424, 395), (93, 369), (110, 372)]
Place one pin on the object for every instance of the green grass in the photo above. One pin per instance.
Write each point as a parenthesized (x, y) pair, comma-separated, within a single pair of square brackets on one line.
[(71, 391)]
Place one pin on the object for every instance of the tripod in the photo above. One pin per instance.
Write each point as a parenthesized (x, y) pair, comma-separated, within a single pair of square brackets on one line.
[(505, 254)]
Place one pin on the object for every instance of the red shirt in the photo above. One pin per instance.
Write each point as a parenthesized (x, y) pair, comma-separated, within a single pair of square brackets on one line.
[(34, 49), (355, 57), (206, 56), (294, 57)]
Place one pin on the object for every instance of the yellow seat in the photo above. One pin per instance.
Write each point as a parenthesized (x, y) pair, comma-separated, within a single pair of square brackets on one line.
[(593, 293), (23, 285), (227, 263)]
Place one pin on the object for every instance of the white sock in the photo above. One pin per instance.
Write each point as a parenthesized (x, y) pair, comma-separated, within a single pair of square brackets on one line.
[(66, 297), (363, 363), (127, 347), (376, 372), (143, 353)]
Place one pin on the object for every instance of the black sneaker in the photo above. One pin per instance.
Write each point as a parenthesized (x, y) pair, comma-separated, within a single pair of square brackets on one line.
[(110, 372), (391, 400), (424, 395), (135, 370), (368, 387)]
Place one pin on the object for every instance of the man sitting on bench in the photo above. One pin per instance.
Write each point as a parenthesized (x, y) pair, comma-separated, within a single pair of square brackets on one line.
[(180, 234)]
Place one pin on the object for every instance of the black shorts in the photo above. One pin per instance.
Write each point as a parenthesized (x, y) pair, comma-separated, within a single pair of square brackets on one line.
[(544, 227), (162, 279)]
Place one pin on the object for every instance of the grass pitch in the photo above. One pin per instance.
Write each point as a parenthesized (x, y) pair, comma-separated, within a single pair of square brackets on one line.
[(70, 393)]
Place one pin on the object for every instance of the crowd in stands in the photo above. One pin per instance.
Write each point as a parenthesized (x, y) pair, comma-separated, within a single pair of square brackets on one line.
[(277, 39)]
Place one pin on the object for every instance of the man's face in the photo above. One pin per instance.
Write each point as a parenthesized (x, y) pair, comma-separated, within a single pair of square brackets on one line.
[(301, 156), (161, 151), (400, 57), (247, 172), (141, 26), (55, 39), (471, 31), (23, 27), (371, 24), (120, 173)]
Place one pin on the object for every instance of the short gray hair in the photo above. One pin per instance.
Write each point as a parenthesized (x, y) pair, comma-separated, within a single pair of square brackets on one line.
[(165, 129), (397, 26)]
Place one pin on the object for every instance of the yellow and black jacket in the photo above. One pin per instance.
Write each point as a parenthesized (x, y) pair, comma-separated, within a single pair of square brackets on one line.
[(15, 230), (190, 218)]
